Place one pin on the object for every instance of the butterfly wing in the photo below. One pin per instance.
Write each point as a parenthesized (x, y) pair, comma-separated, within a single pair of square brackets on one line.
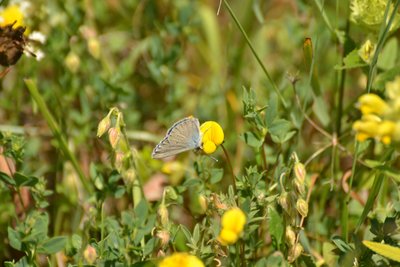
[(182, 136)]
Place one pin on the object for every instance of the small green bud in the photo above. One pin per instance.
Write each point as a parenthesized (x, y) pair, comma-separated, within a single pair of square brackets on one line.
[(302, 207), (103, 126)]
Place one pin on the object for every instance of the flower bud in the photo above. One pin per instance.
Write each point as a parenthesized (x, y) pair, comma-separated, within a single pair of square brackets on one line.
[(203, 203), (113, 136), (90, 254), (119, 160), (299, 185), (129, 176), (163, 215), (290, 236), (72, 62), (295, 252), (283, 201), (300, 171), (94, 47), (164, 237), (170, 193), (103, 126), (302, 207)]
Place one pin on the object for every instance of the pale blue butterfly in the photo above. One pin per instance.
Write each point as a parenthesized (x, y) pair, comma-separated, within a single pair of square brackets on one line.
[(184, 135)]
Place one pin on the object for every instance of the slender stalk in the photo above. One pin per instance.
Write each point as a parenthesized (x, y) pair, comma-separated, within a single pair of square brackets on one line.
[(54, 127), (239, 25), (230, 168)]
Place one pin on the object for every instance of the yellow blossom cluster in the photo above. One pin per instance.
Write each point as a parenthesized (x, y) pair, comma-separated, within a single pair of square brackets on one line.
[(379, 117), (181, 259), (232, 224), (212, 136)]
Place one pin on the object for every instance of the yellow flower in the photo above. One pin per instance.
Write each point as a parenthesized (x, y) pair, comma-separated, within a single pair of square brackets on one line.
[(212, 136), (371, 103), (232, 224), (10, 14), (181, 259), (371, 126)]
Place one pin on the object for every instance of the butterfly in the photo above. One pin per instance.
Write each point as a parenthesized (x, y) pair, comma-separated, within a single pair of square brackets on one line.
[(184, 135)]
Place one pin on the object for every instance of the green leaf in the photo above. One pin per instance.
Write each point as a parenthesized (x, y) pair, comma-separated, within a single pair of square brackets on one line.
[(276, 225), (387, 251), (341, 244), (351, 61), (252, 140), (7, 179), (52, 245), (15, 238), (280, 131), (141, 212), (387, 58), (216, 175), (321, 111), (23, 180), (384, 77)]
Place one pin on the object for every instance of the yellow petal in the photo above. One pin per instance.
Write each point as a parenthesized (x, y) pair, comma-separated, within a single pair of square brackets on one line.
[(227, 237), (234, 220), (181, 259), (209, 147), (371, 103), (213, 132), (10, 14)]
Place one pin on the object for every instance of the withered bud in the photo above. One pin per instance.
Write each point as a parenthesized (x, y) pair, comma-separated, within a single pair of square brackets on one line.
[(119, 160), (113, 136), (103, 126), (164, 237), (129, 176), (302, 207), (299, 185), (300, 171), (290, 236), (295, 252), (90, 254)]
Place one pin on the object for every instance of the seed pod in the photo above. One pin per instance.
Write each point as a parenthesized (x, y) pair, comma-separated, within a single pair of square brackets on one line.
[(163, 215), (103, 126), (283, 201), (113, 136), (295, 252), (300, 171)]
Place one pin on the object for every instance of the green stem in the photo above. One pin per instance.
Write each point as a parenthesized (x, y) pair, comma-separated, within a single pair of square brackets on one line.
[(345, 213), (383, 34), (230, 168), (255, 53), (56, 132)]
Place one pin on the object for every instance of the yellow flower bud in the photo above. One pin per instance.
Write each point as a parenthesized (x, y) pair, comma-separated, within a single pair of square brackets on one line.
[(367, 51), (212, 136), (283, 201), (227, 237)]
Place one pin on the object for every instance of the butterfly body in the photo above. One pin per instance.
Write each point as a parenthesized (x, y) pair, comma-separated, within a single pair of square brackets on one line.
[(184, 135)]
